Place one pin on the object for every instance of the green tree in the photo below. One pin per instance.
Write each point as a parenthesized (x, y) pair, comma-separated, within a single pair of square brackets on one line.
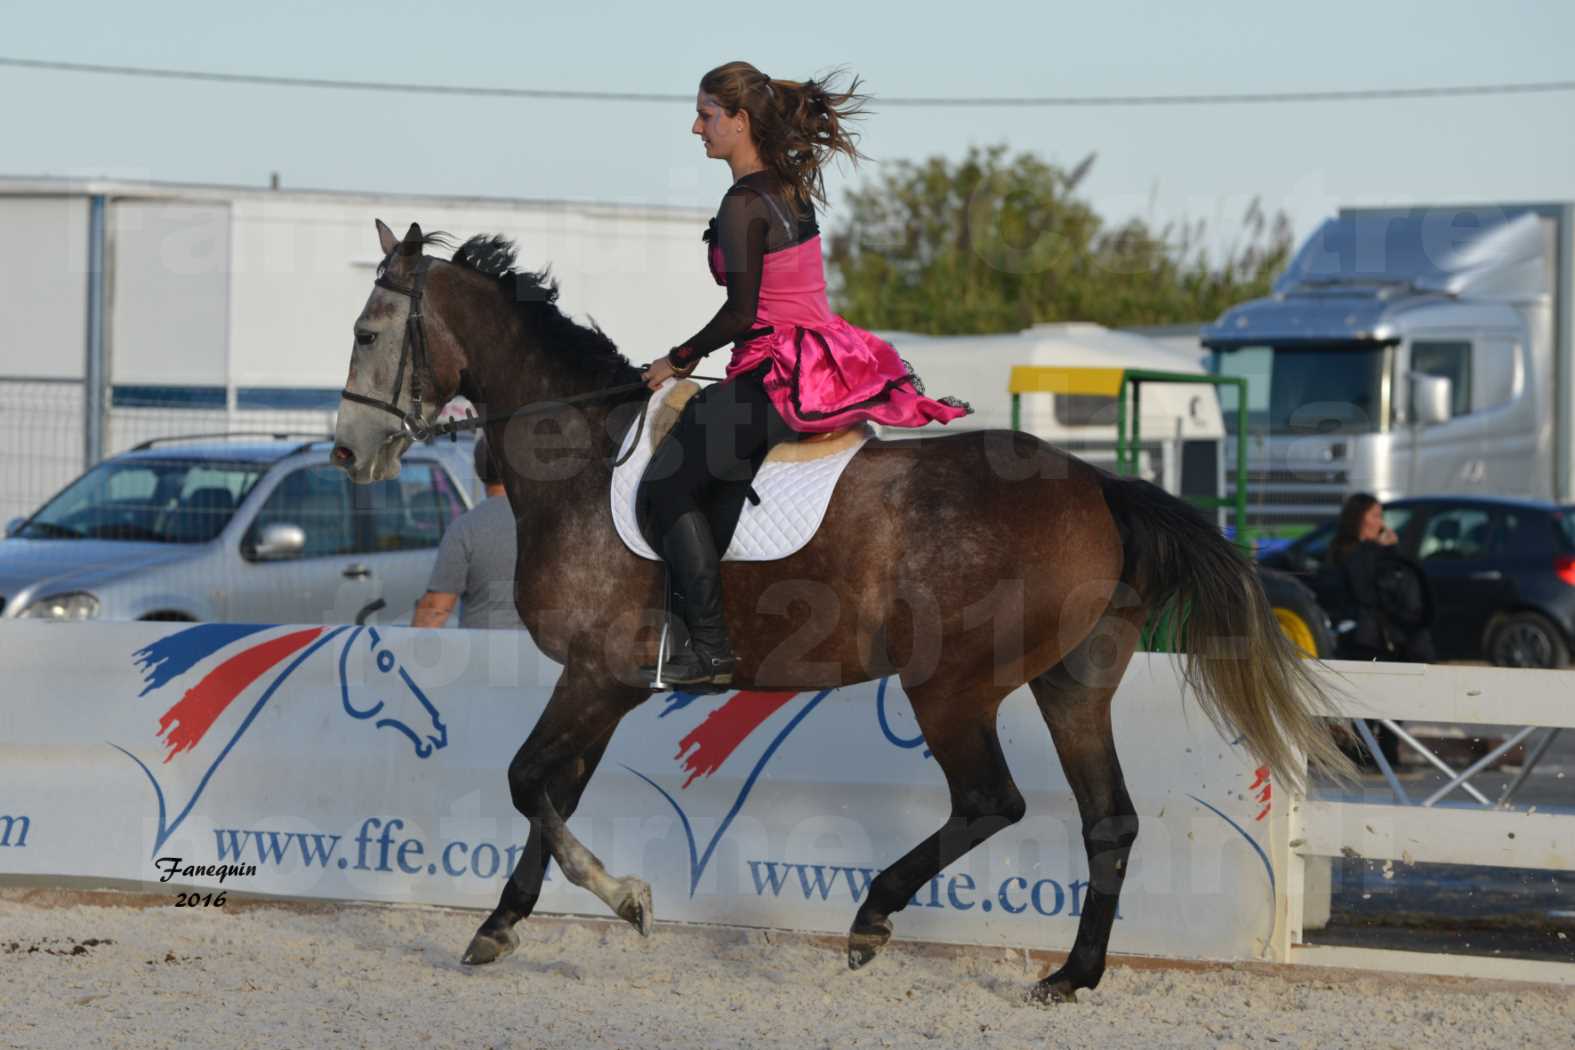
[(995, 244)]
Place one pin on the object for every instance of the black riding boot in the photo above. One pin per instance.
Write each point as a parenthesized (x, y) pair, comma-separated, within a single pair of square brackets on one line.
[(695, 570)]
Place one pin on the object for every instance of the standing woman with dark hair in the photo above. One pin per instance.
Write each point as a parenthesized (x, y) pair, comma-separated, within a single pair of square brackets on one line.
[(1380, 593), (796, 367), (1360, 539)]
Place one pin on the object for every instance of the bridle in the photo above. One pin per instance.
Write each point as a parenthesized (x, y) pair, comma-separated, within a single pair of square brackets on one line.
[(414, 350)]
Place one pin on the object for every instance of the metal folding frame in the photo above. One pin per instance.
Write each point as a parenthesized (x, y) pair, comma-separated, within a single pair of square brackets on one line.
[(1459, 778), (1122, 383)]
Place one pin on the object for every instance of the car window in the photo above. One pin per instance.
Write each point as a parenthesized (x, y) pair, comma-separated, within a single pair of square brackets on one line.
[(169, 501), (1402, 521), (216, 477), (1515, 534), (1456, 534), (132, 483), (1564, 529), (317, 499), (1085, 410), (1449, 360), (411, 511)]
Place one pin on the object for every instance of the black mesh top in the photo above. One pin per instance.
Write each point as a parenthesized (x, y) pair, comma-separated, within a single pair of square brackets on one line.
[(756, 218)]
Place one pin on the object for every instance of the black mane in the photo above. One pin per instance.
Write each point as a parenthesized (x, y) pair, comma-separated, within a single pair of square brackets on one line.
[(535, 295)]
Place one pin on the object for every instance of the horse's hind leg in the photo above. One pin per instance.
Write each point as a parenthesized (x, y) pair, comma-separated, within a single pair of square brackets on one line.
[(496, 937), (1074, 697), (960, 731)]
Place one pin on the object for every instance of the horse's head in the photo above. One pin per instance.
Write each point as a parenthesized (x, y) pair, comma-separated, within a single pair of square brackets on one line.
[(403, 367), (375, 688), (431, 326)]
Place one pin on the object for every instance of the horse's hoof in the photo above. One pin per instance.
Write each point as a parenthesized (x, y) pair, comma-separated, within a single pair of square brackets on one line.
[(488, 947), (865, 941), (635, 905), (1050, 991)]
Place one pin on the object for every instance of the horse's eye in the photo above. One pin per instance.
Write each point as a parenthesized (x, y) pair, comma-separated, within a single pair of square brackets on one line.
[(365, 338)]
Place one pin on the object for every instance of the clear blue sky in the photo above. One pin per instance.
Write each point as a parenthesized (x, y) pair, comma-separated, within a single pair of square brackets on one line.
[(1198, 161)]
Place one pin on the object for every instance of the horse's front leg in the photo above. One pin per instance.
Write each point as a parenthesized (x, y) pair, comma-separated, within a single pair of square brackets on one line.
[(629, 897), (550, 771), (496, 937)]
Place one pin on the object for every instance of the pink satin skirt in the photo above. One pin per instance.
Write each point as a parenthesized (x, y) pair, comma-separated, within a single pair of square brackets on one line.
[(835, 375)]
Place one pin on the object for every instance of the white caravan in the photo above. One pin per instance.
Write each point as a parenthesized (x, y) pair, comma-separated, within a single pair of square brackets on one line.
[(1180, 424)]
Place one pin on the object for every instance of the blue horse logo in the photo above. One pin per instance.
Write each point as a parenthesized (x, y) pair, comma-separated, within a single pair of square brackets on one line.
[(199, 731), (391, 701)]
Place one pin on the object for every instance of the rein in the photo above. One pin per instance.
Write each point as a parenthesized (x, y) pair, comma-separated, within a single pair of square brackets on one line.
[(414, 350)]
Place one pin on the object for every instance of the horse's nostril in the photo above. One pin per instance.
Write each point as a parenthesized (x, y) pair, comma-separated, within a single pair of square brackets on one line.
[(342, 457)]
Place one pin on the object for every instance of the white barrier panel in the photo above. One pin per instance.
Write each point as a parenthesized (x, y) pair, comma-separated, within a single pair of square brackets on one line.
[(1454, 831), (352, 763)]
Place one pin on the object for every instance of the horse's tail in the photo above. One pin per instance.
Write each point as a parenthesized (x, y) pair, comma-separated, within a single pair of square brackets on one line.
[(1206, 597)]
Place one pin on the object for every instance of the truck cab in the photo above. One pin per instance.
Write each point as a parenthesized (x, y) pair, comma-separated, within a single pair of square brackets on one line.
[(1405, 351)]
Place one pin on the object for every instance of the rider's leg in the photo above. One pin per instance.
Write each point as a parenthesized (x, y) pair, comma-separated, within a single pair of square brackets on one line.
[(670, 499), (696, 573), (722, 435)]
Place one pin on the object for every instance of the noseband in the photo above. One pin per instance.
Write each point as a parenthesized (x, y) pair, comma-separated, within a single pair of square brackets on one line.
[(414, 350)]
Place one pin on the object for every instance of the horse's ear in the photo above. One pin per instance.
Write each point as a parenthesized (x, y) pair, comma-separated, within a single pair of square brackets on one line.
[(385, 237), (413, 240)]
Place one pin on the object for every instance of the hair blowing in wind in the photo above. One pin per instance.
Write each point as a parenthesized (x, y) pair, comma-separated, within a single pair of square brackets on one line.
[(798, 126)]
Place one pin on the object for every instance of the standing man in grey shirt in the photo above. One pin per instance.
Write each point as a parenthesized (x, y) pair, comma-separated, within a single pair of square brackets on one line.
[(475, 562)]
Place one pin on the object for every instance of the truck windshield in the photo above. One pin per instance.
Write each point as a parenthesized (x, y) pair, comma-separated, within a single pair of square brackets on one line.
[(166, 501), (1317, 389)]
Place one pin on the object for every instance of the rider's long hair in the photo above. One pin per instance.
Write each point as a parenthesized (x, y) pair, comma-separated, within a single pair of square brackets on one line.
[(798, 127), (1348, 530)]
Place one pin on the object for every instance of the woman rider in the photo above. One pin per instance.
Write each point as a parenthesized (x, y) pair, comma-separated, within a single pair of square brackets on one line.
[(796, 367)]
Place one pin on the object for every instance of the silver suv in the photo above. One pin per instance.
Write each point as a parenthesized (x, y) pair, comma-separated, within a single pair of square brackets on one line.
[(234, 529)]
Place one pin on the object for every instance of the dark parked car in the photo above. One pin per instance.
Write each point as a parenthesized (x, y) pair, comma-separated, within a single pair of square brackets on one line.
[(1502, 573)]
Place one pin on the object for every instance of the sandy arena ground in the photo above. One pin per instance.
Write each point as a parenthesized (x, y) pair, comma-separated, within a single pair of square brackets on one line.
[(77, 973)]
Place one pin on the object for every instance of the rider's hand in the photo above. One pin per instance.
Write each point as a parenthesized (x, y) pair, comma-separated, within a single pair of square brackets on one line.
[(658, 372)]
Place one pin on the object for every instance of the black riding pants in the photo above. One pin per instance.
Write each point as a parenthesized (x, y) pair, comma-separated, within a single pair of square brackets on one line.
[(710, 456)]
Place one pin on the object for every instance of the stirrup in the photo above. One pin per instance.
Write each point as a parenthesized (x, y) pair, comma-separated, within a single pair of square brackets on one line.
[(697, 682), (653, 675), (689, 671), (686, 676)]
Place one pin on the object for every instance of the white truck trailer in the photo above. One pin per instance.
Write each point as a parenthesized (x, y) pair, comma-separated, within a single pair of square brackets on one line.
[(1411, 351)]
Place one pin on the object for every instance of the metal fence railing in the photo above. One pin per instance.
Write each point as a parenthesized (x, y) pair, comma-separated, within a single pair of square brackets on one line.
[(43, 444), (41, 441)]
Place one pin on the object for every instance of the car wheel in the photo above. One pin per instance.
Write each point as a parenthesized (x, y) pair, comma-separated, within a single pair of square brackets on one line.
[(1298, 613), (1527, 639)]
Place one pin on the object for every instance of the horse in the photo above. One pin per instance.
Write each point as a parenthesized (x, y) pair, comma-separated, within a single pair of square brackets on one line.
[(967, 564)]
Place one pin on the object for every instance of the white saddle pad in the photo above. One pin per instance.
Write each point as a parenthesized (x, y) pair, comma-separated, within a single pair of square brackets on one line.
[(794, 491)]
